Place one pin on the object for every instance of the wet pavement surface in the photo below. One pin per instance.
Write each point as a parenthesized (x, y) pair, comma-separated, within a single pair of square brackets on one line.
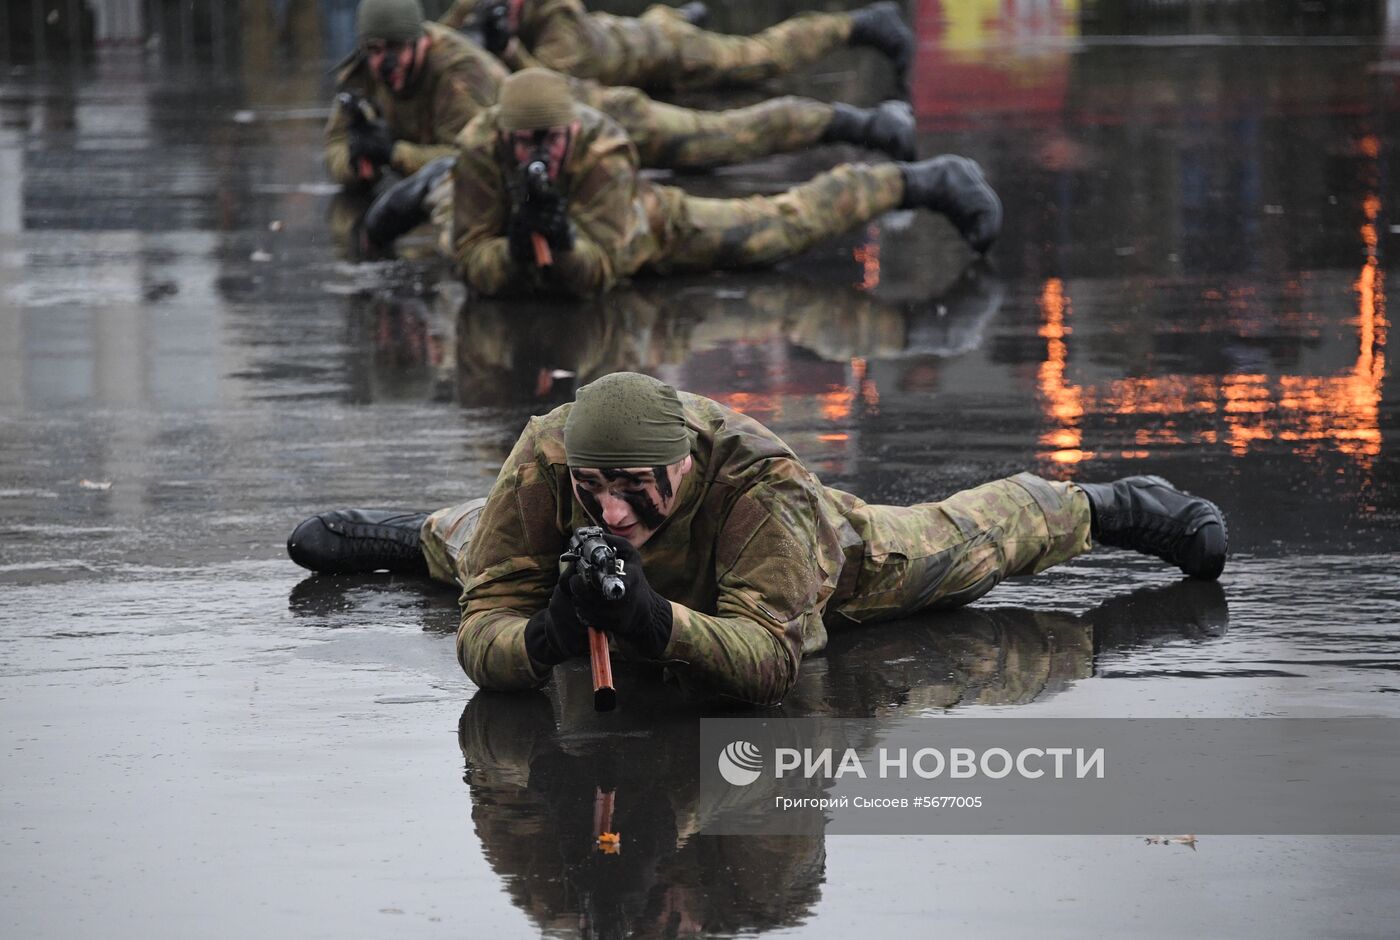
[(196, 739)]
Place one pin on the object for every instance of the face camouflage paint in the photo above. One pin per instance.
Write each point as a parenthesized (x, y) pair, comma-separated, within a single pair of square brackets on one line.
[(647, 513), (639, 500), (663, 482), (590, 504)]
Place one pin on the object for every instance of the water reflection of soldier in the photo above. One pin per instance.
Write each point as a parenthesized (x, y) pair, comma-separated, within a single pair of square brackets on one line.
[(837, 324), (736, 557), (534, 780), (665, 49), (523, 353), (422, 82), (508, 353), (546, 196), (411, 358), (534, 764)]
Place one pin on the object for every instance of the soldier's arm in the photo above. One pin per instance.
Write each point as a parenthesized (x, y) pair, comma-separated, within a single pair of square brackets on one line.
[(770, 586), (517, 57), (480, 207), (336, 153), (602, 206), (458, 14), (470, 88), (508, 574), (408, 158)]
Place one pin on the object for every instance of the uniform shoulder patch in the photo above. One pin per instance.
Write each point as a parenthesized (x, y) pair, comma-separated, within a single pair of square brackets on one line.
[(538, 514), (744, 519)]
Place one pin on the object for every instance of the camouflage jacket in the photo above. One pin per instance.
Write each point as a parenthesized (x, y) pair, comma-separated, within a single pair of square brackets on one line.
[(609, 206), (750, 557), (459, 81)]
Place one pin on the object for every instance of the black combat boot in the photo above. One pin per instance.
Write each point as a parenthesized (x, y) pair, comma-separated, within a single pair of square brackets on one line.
[(1150, 515), (955, 187), (695, 13), (400, 209), (889, 127), (353, 541), (881, 27)]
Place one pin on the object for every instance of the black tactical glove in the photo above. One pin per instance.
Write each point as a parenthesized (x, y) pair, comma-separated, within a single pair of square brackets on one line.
[(493, 20), (548, 215), (371, 140), (556, 633), (641, 616)]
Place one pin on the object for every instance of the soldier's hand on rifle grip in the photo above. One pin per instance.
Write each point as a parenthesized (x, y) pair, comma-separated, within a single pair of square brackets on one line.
[(556, 633), (642, 616), (371, 141), (548, 217)]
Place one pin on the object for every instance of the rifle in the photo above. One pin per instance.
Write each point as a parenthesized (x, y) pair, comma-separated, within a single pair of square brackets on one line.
[(596, 561), (538, 187), (357, 110)]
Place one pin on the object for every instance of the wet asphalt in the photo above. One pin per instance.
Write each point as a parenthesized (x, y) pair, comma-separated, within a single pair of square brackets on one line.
[(199, 740)]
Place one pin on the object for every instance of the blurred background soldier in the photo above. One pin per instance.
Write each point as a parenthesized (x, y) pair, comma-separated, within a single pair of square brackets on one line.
[(665, 48), (411, 87), (539, 168)]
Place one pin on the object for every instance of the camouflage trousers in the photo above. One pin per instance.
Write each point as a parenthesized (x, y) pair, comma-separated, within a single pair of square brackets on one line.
[(660, 50), (670, 137), (695, 233), (692, 58), (914, 558), (698, 234), (951, 552)]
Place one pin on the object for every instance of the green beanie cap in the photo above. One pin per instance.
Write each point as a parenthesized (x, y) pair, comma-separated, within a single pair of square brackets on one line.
[(626, 420), (395, 20), (533, 99)]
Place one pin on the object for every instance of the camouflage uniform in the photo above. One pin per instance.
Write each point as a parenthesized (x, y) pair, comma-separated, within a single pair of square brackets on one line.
[(756, 555), (460, 80), (456, 83), (658, 50), (626, 224)]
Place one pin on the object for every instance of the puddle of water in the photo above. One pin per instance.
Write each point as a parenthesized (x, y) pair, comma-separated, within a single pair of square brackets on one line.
[(1193, 280)]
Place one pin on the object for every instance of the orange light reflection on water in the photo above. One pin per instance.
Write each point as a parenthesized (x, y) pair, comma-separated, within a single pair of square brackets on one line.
[(1063, 402), (1340, 412), (753, 404), (836, 402), (867, 255)]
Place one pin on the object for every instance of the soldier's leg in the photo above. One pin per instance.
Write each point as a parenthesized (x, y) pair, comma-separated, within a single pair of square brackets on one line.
[(445, 535), (353, 541), (686, 139), (952, 552), (703, 59), (438, 202), (761, 230)]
